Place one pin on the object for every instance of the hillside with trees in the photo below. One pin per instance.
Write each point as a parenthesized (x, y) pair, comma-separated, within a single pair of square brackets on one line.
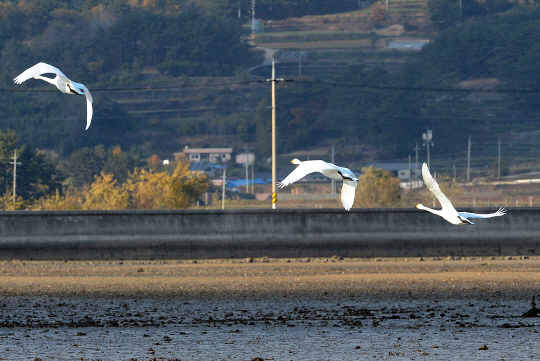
[(104, 46), (165, 74), (474, 79)]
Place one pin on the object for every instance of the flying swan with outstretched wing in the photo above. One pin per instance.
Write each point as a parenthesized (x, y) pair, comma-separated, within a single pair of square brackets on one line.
[(331, 171), (448, 211), (61, 82)]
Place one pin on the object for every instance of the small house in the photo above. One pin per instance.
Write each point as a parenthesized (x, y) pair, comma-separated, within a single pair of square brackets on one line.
[(207, 155)]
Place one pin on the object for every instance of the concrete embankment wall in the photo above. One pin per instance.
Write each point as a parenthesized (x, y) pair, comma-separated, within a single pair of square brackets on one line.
[(281, 233)]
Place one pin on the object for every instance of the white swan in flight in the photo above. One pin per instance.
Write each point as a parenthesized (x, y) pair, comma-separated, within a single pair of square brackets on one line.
[(331, 171), (62, 83), (448, 211)]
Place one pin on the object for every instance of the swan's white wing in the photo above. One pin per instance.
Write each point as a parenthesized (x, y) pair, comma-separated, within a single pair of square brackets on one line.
[(347, 172), (38, 69), (304, 169), (347, 193), (433, 187), (500, 212), (89, 109), (83, 90), (344, 171), (89, 101)]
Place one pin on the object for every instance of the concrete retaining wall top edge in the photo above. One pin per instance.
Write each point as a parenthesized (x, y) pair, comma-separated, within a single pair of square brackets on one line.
[(245, 211)]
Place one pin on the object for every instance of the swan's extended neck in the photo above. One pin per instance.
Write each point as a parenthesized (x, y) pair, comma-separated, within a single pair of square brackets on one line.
[(434, 211), (48, 80)]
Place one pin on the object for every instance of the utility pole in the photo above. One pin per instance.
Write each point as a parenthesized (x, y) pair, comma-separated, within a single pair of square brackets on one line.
[(333, 181), (416, 165), (410, 186), (427, 137), (499, 159), (247, 167), (15, 175), (454, 172), (253, 18), (469, 160), (274, 180), (223, 189)]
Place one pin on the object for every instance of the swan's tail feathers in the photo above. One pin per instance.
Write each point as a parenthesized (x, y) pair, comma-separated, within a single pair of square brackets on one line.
[(347, 195)]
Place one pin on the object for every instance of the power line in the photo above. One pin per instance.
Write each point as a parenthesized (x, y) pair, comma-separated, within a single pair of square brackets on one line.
[(400, 88), (440, 117), (149, 88), (345, 85)]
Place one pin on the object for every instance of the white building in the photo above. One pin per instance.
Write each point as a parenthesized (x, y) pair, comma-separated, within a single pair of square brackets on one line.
[(400, 170), (207, 155), (410, 178)]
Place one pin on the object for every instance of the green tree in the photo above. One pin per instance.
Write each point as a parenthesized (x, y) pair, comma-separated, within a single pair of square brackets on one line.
[(120, 163), (84, 165), (38, 175), (263, 131), (444, 13), (8, 145)]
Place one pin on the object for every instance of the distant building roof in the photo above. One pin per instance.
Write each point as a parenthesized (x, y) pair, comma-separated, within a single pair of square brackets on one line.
[(406, 44), (208, 150), (308, 152)]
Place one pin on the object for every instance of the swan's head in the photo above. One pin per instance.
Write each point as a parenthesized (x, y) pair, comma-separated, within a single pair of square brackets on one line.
[(296, 161), (419, 206)]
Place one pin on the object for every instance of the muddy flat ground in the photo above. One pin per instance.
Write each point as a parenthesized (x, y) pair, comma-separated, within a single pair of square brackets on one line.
[(269, 276), (272, 309)]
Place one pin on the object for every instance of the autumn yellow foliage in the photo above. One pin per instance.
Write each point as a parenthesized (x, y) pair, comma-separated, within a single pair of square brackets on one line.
[(377, 188), (105, 194), (7, 204), (143, 190), (69, 201)]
